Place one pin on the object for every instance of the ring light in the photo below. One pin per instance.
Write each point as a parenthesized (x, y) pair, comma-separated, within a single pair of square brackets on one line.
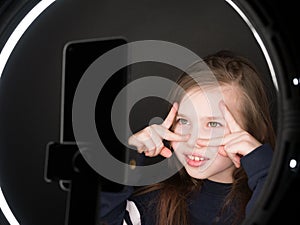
[(4, 56), (278, 65), (20, 30), (258, 39)]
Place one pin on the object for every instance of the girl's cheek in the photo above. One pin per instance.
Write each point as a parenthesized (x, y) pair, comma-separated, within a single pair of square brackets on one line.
[(178, 130), (175, 145), (217, 133), (183, 130)]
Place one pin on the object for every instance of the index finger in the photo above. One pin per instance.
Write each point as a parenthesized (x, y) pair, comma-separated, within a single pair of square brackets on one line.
[(230, 120), (171, 116)]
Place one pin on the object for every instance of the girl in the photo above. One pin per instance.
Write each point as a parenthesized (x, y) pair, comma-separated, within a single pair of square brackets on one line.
[(220, 130)]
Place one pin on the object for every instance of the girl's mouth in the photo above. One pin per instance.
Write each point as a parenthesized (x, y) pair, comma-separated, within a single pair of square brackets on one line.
[(196, 160)]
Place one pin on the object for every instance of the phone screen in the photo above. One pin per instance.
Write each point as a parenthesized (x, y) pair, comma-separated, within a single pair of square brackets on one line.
[(78, 56)]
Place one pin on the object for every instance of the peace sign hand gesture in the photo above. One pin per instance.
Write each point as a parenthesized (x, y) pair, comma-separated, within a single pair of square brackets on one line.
[(150, 139), (235, 144)]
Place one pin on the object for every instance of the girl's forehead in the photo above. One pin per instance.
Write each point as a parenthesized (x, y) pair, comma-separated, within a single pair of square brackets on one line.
[(227, 93), (203, 102), (207, 94), (208, 99)]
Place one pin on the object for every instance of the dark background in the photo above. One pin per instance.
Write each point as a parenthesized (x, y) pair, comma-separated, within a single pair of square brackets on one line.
[(30, 88)]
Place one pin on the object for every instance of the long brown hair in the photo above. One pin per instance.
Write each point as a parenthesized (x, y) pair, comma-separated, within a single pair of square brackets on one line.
[(230, 69)]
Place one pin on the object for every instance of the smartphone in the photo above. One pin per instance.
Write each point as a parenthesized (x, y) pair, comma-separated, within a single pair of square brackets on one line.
[(77, 57)]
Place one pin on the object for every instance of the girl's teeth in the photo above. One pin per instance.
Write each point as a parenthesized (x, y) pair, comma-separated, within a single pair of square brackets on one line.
[(191, 157), (195, 158)]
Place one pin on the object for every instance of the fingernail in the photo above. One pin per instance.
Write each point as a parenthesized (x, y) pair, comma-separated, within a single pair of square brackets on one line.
[(175, 105), (222, 152), (169, 155)]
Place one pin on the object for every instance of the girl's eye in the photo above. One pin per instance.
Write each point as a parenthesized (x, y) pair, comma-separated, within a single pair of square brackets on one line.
[(183, 121), (214, 124)]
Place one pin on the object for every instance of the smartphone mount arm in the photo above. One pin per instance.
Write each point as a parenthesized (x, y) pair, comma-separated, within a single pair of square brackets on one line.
[(66, 165)]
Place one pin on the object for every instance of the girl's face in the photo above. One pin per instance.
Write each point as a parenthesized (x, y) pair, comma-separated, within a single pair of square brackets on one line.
[(200, 116)]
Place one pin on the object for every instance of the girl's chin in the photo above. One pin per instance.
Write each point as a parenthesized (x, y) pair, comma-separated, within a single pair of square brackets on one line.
[(195, 174)]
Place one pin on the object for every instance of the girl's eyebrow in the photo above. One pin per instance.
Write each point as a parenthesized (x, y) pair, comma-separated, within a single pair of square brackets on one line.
[(204, 117), (215, 118), (181, 115)]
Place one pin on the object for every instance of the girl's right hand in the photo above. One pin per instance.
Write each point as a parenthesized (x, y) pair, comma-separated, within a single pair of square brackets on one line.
[(150, 139)]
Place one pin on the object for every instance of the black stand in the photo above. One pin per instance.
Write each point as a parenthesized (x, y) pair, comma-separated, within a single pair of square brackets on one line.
[(65, 164)]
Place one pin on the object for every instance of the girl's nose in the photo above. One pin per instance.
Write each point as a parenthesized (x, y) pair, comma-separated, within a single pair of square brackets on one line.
[(194, 136), (198, 133)]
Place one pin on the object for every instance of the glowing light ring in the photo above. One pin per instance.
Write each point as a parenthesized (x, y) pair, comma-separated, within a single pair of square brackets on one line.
[(258, 39), (4, 56)]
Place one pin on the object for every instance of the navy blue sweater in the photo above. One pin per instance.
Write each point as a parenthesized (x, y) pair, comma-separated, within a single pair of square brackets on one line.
[(124, 208)]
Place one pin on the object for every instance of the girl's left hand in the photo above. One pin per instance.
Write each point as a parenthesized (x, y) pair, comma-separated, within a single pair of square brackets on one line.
[(236, 143)]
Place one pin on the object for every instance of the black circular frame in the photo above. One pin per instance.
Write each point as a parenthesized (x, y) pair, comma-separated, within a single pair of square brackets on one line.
[(272, 24)]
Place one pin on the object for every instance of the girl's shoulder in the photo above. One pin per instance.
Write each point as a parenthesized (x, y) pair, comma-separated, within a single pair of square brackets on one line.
[(257, 160), (256, 165), (144, 197), (142, 207)]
